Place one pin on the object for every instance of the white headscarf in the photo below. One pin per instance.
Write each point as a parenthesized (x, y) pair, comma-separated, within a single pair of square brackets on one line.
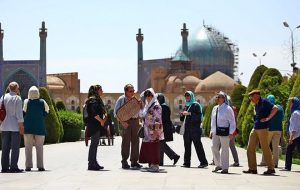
[(148, 104)]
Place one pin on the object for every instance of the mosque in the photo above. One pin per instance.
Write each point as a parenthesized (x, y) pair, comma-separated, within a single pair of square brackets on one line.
[(206, 63)]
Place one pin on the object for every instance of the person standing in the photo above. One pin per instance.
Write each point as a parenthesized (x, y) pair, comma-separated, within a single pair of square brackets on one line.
[(35, 110), (153, 131), (275, 132), (192, 118), (11, 128), (96, 120), (222, 128), (294, 132), (168, 132), (130, 138), (264, 112)]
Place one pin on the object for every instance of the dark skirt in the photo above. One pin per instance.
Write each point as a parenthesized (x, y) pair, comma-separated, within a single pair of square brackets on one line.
[(149, 153)]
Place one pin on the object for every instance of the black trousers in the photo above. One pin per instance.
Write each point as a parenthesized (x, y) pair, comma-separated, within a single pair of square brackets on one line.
[(189, 138), (94, 147), (290, 151), (10, 149), (164, 148)]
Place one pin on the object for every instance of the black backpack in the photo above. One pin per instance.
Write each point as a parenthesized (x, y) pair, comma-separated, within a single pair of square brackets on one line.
[(85, 114)]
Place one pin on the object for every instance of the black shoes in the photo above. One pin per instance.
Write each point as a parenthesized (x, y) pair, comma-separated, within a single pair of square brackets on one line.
[(125, 166), (43, 169), (250, 171), (136, 166), (185, 165), (5, 171), (235, 164), (28, 169), (269, 172), (16, 170), (93, 167), (202, 165), (176, 159), (217, 169)]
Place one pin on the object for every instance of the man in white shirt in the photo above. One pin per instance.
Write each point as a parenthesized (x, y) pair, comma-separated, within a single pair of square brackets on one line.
[(222, 128)]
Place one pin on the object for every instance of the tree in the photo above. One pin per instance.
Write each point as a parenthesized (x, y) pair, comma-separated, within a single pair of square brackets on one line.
[(52, 123), (237, 95), (206, 124), (60, 105)]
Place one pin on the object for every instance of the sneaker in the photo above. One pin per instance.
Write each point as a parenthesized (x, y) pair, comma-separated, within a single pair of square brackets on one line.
[(225, 171), (176, 159), (217, 169), (136, 165), (202, 165), (235, 165), (269, 172), (153, 169), (250, 171)]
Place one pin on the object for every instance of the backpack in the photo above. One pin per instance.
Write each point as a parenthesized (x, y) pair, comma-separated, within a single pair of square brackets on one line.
[(85, 114), (2, 110)]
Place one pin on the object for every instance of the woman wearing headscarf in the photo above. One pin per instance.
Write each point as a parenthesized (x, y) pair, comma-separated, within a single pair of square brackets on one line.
[(95, 122), (168, 132), (153, 131), (35, 110), (222, 128), (192, 118), (294, 131)]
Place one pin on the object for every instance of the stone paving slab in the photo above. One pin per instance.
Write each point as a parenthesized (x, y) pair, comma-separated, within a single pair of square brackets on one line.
[(66, 166)]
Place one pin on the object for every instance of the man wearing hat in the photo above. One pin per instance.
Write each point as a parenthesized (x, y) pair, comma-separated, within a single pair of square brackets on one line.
[(264, 111)]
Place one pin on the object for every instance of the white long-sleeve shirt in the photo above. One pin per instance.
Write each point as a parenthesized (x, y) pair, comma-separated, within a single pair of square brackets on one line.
[(295, 123), (225, 118)]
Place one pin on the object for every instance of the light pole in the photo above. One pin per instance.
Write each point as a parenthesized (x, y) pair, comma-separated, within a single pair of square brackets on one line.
[(293, 64), (259, 57)]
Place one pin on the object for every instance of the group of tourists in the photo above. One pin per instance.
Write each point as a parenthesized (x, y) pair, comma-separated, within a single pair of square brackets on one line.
[(26, 119), (153, 125)]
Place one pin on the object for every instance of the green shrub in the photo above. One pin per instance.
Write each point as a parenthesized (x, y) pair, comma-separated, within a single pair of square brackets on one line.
[(52, 122), (60, 123), (60, 105), (237, 96), (206, 123), (253, 84), (72, 124)]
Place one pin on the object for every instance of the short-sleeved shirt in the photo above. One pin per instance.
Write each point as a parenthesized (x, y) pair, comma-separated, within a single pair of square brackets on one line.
[(276, 121), (262, 109)]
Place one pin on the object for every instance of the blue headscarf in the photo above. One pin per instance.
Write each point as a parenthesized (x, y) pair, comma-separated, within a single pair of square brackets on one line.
[(192, 98), (271, 98), (295, 107)]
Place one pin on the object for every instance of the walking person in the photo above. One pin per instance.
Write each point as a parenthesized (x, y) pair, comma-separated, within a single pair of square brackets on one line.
[(153, 131), (35, 110), (264, 112), (95, 121), (11, 128), (232, 146), (222, 128), (168, 132), (294, 132), (130, 138), (275, 132), (192, 118)]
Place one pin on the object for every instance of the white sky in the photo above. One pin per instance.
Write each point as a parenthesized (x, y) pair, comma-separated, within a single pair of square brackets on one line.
[(96, 38)]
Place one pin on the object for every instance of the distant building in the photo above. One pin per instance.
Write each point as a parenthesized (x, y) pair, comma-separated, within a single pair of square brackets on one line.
[(25, 72)]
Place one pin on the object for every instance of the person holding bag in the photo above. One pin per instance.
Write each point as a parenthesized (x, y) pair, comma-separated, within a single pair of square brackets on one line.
[(192, 117), (222, 128)]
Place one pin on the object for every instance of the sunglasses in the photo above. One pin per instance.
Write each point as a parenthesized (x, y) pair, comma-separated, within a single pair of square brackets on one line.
[(130, 91), (187, 95)]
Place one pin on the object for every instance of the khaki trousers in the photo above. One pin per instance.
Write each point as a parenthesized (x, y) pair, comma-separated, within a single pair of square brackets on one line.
[(259, 136), (130, 139), (31, 140), (274, 138), (223, 143)]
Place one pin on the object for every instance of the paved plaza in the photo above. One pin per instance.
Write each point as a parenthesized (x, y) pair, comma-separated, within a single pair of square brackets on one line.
[(66, 166)]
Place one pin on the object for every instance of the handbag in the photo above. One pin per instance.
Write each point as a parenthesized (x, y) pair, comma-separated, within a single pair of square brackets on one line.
[(2, 110), (141, 132), (221, 131)]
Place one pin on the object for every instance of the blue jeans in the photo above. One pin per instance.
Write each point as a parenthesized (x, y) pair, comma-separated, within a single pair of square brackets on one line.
[(10, 141), (289, 152)]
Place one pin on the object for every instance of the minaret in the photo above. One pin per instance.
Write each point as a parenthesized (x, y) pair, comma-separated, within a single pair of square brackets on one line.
[(1, 43), (139, 39), (184, 34), (43, 65)]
